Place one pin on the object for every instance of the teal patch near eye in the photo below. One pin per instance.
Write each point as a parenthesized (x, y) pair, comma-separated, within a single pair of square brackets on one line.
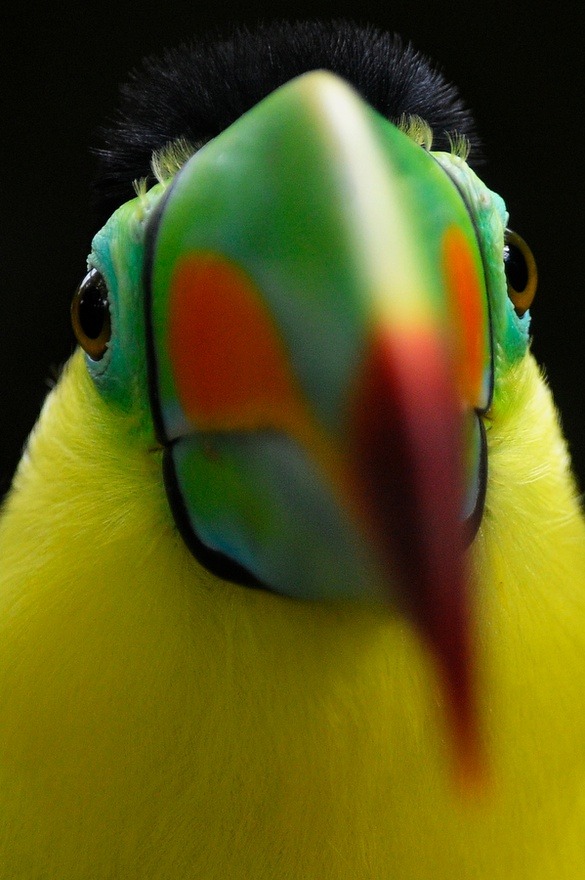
[(118, 254)]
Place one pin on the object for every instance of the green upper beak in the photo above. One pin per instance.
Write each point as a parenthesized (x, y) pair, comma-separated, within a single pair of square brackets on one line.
[(319, 354)]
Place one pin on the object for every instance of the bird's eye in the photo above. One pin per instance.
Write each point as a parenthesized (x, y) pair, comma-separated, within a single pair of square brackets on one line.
[(90, 315), (521, 273)]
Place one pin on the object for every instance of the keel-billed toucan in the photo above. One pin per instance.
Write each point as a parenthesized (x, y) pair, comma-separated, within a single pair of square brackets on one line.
[(292, 572)]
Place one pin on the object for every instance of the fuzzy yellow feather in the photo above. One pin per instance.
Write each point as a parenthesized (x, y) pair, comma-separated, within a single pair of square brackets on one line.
[(158, 723)]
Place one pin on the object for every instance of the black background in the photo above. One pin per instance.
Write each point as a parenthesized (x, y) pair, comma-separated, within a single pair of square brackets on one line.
[(519, 67)]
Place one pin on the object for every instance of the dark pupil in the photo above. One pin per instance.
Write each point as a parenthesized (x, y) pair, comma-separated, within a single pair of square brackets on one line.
[(516, 268), (93, 306)]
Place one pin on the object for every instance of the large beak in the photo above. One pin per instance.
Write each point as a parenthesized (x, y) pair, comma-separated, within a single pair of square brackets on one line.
[(319, 347)]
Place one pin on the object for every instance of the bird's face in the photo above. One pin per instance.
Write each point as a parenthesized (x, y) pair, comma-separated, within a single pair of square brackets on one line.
[(303, 318)]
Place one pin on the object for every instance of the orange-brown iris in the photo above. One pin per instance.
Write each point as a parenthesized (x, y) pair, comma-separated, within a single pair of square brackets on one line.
[(521, 272), (90, 315)]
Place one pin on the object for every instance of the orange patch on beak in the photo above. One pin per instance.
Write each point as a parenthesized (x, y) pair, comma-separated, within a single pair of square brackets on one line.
[(465, 287), (229, 362)]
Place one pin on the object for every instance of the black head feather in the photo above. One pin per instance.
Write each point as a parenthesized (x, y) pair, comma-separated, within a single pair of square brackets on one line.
[(197, 90)]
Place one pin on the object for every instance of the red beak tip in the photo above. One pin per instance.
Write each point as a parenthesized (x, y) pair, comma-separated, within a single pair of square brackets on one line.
[(471, 775)]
